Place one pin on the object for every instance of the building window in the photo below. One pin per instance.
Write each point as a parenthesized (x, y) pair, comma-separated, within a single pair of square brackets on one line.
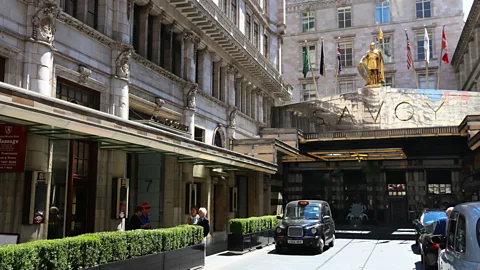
[(422, 81), (309, 91), (70, 7), (2, 69), (265, 6), (439, 189), (248, 26), (77, 94), (460, 235), (199, 134), (150, 38), (308, 21), (312, 56), (382, 13), (136, 26), (421, 49), (256, 37), (397, 190), (192, 196), (265, 46), (388, 81), (386, 45), (346, 50), (345, 87), (92, 11), (234, 11), (423, 9), (345, 17), (225, 6), (217, 139)]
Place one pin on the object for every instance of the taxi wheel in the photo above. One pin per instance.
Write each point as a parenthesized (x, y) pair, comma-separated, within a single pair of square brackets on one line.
[(331, 244), (321, 246)]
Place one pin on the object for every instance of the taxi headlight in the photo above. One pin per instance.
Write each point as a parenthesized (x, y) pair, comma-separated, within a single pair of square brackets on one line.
[(313, 230), (279, 230)]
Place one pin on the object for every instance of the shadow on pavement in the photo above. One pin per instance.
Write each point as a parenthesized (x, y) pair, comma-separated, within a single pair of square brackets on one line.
[(418, 266), (297, 252), (372, 232), (228, 254)]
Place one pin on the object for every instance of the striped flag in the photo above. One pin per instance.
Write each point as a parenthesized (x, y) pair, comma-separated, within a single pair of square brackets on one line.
[(409, 53), (444, 47), (339, 58)]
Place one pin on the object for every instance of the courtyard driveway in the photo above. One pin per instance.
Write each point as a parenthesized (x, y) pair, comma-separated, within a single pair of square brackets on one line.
[(348, 254)]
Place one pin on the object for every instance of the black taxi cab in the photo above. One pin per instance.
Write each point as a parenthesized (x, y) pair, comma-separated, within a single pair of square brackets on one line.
[(306, 223)]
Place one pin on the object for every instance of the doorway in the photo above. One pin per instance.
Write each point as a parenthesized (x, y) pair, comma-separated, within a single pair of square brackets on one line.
[(219, 208), (74, 174), (242, 184)]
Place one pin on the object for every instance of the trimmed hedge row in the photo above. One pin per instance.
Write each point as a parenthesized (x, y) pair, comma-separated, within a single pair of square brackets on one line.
[(252, 224), (97, 248)]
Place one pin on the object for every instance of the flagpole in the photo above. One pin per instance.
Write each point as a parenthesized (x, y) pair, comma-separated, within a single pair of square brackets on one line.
[(311, 69), (427, 85), (440, 60), (336, 68), (324, 69)]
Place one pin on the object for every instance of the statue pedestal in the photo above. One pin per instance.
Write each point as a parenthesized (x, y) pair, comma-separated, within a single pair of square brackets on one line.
[(373, 86)]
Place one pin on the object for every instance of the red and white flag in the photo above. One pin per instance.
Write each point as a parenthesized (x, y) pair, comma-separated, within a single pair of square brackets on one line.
[(444, 47)]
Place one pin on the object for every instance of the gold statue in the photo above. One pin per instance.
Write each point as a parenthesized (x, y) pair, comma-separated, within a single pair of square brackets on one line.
[(370, 67)]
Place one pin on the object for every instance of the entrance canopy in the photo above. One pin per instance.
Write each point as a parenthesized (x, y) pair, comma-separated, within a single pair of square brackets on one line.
[(61, 120)]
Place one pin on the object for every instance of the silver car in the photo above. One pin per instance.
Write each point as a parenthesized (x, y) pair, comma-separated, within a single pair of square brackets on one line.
[(462, 240)]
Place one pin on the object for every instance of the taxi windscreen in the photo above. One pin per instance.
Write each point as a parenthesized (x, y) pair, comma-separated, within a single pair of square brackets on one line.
[(296, 211)]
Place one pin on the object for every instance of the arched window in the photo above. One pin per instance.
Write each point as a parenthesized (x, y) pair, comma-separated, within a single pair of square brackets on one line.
[(218, 141)]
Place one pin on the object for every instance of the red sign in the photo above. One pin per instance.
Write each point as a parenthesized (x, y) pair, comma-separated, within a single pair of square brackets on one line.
[(13, 148)]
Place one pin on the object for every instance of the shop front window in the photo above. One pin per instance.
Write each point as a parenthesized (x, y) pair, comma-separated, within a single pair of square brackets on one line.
[(397, 190)]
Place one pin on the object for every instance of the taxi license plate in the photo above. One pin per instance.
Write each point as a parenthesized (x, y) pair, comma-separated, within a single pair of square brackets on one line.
[(295, 241)]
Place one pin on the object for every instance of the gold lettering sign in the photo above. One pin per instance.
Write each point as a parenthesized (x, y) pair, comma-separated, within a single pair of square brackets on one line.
[(378, 112), (404, 111), (345, 112), (438, 108)]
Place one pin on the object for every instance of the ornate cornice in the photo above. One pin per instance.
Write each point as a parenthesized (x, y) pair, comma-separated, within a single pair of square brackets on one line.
[(85, 29), (146, 63), (465, 37)]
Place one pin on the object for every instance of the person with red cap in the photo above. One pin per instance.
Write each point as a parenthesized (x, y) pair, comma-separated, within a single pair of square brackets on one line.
[(144, 217)]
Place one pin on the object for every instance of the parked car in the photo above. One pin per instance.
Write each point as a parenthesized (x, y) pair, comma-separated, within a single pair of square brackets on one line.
[(306, 223), (462, 242), (425, 222)]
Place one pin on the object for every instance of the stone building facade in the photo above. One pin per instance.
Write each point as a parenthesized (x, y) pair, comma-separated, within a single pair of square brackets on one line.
[(155, 92), (466, 56), (353, 25)]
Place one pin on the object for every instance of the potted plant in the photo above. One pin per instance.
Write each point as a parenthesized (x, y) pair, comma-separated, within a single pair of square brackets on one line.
[(249, 233)]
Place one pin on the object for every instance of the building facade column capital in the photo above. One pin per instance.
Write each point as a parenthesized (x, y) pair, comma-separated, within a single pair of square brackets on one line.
[(232, 70), (215, 56), (190, 37)]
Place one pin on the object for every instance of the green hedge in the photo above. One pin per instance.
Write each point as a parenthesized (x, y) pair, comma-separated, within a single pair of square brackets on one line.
[(97, 248), (252, 224)]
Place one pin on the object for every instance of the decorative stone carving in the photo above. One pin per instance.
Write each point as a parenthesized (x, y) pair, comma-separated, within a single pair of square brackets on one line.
[(123, 63), (159, 104), (232, 116), (44, 22), (232, 70), (84, 74), (191, 97), (215, 57), (150, 7)]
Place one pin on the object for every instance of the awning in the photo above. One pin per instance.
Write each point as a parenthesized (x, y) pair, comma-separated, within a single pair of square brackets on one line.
[(266, 149), (58, 119)]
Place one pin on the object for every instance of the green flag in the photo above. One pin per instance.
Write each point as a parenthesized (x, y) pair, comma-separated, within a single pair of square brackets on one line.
[(306, 64)]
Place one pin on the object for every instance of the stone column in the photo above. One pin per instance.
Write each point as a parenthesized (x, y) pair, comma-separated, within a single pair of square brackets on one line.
[(157, 38), (38, 70), (265, 107), (224, 82), (244, 95), (253, 98), (205, 71), (190, 108), (269, 111), (190, 44), (231, 72), (238, 91), (216, 76), (119, 89), (249, 99), (178, 55), (260, 106), (232, 113), (259, 193), (143, 30), (122, 20)]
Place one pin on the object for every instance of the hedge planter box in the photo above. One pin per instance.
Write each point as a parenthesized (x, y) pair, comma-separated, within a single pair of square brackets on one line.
[(241, 243), (184, 258)]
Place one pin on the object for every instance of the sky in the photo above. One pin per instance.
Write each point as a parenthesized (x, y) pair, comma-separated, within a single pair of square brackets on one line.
[(467, 4)]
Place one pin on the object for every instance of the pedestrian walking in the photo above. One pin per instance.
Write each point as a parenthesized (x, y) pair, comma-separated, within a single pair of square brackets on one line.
[(203, 221), (144, 217), (134, 222), (193, 218)]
